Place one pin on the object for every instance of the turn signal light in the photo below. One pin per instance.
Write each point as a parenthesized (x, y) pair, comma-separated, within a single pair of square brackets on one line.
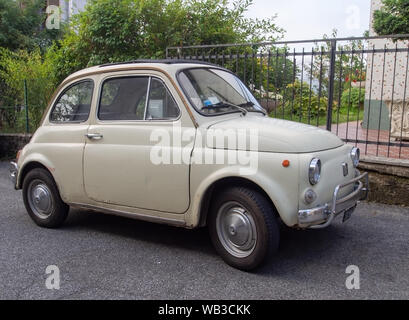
[(286, 163), (18, 155)]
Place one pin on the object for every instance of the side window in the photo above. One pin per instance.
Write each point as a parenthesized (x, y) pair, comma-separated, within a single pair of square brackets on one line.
[(74, 104), (161, 104), (123, 98)]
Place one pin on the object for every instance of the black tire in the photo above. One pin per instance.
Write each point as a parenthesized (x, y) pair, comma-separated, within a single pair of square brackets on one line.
[(57, 210), (262, 214)]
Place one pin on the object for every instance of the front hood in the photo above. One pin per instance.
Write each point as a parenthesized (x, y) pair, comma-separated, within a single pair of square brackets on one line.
[(266, 134)]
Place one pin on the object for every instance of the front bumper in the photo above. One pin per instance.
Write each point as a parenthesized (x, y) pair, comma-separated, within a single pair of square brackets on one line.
[(322, 216), (13, 173)]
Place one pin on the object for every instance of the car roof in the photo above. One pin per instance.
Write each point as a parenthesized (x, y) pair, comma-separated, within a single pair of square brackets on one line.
[(167, 65), (160, 61)]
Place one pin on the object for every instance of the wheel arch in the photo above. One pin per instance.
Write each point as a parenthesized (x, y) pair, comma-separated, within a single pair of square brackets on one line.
[(27, 167), (211, 191)]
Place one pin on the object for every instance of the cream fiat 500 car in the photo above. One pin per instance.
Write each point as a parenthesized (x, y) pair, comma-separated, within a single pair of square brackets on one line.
[(185, 144)]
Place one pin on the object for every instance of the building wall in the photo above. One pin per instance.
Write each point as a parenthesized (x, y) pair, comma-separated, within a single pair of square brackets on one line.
[(71, 7), (385, 78)]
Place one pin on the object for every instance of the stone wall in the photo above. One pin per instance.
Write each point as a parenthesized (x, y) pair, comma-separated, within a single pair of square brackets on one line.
[(389, 180), (11, 143)]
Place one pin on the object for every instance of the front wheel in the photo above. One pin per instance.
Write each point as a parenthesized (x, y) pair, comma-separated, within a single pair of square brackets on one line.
[(42, 199), (243, 227)]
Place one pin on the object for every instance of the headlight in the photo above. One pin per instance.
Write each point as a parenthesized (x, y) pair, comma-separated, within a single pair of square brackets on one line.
[(355, 154), (314, 172)]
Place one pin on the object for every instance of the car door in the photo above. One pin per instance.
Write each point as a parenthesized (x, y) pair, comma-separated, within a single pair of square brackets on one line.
[(135, 114), (61, 138)]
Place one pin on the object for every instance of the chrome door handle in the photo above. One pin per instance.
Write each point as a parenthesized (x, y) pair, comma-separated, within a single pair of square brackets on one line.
[(94, 136)]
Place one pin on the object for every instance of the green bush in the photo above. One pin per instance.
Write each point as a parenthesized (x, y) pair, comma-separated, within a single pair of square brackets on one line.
[(392, 18), (353, 99), (304, 103), (15, 68)]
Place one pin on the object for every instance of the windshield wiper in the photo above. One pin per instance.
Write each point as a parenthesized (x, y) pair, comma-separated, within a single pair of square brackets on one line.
[(224, 104), (252, 104)]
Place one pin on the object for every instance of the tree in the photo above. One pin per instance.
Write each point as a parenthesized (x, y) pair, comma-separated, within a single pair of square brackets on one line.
[(392, 18), (21, 25), (120, 30)]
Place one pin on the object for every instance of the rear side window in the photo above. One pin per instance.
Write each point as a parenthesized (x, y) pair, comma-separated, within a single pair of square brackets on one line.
[(74, 104), (123, 99)]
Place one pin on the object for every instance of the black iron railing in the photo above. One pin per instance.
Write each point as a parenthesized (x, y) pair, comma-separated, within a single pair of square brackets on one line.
[(355, 87)]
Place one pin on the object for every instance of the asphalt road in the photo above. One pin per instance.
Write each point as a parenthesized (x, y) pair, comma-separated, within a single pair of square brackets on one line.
[(107, 257)]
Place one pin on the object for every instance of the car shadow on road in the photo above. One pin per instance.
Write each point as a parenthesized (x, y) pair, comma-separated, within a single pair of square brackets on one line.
[(308, 247), (140, 230)]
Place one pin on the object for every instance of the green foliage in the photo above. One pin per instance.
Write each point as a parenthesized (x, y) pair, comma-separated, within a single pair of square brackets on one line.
[(21, 25), (392, 18), (303, 102), (120, 30), (353, 98), (346, 65), (15, 67), (271, 73)]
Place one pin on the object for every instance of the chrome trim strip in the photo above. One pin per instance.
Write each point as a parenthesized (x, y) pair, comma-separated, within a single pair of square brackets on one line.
[(148, 90), (136, 216)]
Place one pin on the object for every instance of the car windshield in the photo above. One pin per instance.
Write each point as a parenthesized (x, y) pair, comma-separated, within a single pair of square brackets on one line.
[(215, 92)]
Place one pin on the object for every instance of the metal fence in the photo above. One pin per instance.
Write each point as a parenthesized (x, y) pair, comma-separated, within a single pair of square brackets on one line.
[(15, 118), (22, 104), (355, 87)]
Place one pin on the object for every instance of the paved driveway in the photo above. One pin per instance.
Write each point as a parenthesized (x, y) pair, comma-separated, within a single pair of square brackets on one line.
[(107, 257)]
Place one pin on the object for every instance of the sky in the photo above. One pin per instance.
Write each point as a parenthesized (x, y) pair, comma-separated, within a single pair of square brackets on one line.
[(311, 19)]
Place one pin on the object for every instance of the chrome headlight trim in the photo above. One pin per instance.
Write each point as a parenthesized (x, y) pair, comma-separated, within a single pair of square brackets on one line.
[(314, 171), (355, 156)]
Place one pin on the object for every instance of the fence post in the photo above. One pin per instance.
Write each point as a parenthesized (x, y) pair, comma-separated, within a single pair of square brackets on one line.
[(331, 83), (26, 105)]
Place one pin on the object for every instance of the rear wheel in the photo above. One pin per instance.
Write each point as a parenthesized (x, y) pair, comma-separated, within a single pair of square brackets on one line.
[(42, 199), (243, 227)]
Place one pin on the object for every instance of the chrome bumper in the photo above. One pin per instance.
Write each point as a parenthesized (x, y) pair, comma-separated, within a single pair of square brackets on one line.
[(321, 217), (13, 172)]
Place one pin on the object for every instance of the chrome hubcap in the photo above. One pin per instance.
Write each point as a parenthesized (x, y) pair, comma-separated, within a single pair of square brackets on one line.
[(40, 199), (236, 229)]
